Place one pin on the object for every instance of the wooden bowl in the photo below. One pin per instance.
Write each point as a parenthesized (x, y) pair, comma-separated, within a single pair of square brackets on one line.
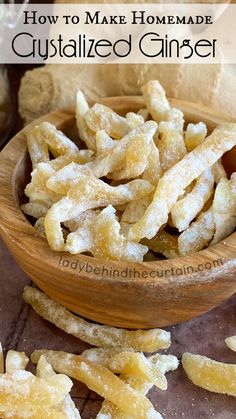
[(124, 294)]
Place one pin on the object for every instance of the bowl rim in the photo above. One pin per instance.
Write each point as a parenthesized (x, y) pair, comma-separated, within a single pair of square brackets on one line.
[(16, 229)]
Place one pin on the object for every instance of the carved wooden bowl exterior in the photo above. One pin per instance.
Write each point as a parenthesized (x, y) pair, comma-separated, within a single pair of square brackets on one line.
[(122, 294)]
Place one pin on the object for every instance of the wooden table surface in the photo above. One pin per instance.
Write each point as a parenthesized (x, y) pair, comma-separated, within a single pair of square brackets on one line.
[(22, 329)]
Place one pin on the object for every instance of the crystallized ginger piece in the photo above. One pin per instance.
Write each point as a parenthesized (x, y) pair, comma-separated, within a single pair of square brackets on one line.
[(37, 190), (80, 157), (85, 133), (177, 178), (137, 154), (156, 101), (22, 394), (211, 375), (57, 142), (92, 333), (39, 226), (104, 143), (152, 172), (128, 362), (231, 343), (36, 209), (100, 117), (102, 381), (37, 147), (163, 363), (198, 234), (186, 209), (195, 135), (224, 208), (66, 406), (16, 361), (134, 120), (163, 243), (85, 192), (135, 209), (128, 158), (218, 171), (170, 145), (176, 116), (101, 236)]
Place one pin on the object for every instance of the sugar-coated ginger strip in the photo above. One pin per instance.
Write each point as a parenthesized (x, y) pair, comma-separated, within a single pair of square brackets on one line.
[(209, 374), (37, 147), (80, 157), (198, 234), (128, 363), (58, 142), (195, 135), (104, 143), (224, 208), (26, 410), (186, 209), (100, 235), (160, 363), (136, 158), (78, 222), (152, 172), (218, 171), (144, 113), (100, 380), (177, 178), (135, 364), (37, 189), (128, 156), (100, 117), (2, 366), (85, 133), (94, 334), (135, 209), (163, 243), (36, 209), (156, 101), (85, 192), (134, 120), (176, 116), (16, 361), (231, 343), (164, 363), (39, 226), (170, 145), (66, 406), (36, 392)]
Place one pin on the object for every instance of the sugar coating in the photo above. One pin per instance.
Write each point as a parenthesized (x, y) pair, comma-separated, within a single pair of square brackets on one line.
[(156, 101), (198, 234), (100, 117), (103, 336), (231, 343), (195, 135), (100, 380), (224, 208), (215, 376), (186, 209), (85, 133), (84, 191), (177, 178), (170, 144)]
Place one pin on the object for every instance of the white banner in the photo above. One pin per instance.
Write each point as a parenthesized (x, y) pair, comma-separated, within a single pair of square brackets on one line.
[(122, 33)]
